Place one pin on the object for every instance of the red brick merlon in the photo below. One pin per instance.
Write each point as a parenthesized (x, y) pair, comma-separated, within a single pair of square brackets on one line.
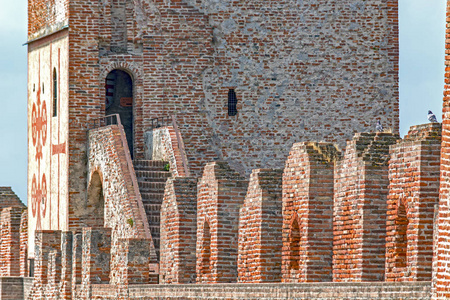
[(221, 193), (308, 212), (10, 219), (360, 203), (178, 231), (9, 199), (413, 192), (260, 226)]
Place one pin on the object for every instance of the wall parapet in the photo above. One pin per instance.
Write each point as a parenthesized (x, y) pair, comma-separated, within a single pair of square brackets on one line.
[(323, 290)]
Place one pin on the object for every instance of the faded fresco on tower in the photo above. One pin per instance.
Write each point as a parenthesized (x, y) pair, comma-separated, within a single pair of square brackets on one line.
[(47, 135)]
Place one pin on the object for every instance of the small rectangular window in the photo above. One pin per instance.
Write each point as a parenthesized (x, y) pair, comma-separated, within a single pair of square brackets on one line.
[(232, 103)]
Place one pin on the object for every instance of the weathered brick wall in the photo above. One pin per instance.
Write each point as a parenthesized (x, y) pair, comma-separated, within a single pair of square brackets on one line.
[(96, 262), (13, 288), (10, 241), (221, 192), (46, 241), (24, 244), (162, 144), (8, 198), (441, 269), (413, 193), (45, 17), (178, 231), (54, 275), (296, 74), (183, 58), (86, 100), (322, 291), (123, 210), (308, 212), (360, 204), (260, 228), (134, 256), (65, 289)]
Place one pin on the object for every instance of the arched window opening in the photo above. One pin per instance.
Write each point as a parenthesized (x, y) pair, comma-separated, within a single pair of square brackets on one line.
[(206, 249), (232, 103), (294, 245), (119, 100), (401, 238), (55, 93), (95, 209)]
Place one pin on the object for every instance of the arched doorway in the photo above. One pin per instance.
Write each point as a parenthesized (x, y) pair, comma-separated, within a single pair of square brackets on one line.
[(119, 100), (95, 208)]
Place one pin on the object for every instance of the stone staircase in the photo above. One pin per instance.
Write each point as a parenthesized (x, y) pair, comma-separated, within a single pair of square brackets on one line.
[(152, 178)]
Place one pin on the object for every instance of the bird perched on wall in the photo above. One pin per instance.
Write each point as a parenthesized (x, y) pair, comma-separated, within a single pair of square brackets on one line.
[(379, 127), (431, 117)]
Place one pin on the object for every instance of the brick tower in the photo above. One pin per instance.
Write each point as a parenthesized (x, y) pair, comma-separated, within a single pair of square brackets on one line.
[(244, 80)]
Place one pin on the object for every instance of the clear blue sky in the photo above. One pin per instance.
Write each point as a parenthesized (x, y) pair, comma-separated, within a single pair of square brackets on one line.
[(422, 29)]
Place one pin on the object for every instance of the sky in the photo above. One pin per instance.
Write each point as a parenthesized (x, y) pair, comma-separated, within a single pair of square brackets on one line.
[(422, 41)]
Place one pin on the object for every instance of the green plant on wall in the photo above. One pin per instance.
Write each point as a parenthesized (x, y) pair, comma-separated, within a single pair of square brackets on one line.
[(130, 222), (167, 167)]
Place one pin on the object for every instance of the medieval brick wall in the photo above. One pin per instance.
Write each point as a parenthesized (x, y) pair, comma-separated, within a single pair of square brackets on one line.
[(441, 270), (162, 144), (308, 212), (96, 266), (45, 17), (114, 196), (10, 220), (47, 241), (413, 194), (24, 268), (360, 204), (178, 231), (185, 56), (294, 67), (221, 192), (260, 228), (322, 291)]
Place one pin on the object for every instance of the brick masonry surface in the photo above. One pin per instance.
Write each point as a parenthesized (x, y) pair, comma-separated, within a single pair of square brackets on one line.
[(162, 144), (323, 291), (10, 220), (319, 70), (359, 217), (221, 192), (114, 197), (413, 193), (308, 212), (441, 265), (260, 226), (14, 288), (179, 231)]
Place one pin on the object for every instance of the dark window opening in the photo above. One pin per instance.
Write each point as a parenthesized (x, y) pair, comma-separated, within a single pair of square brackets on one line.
[(55, 94), (232, 102)]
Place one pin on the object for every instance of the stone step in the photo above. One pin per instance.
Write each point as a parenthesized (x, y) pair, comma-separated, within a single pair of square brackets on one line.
[(150, 208), (150, 175), (157, 165), (146, 179), (151, 187), (152, 196)]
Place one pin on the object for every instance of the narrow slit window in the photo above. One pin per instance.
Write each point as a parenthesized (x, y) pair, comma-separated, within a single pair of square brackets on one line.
[(232, 103), (55, 93)]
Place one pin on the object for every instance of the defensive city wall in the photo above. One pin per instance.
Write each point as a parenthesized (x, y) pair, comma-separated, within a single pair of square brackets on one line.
[(331, 224)]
